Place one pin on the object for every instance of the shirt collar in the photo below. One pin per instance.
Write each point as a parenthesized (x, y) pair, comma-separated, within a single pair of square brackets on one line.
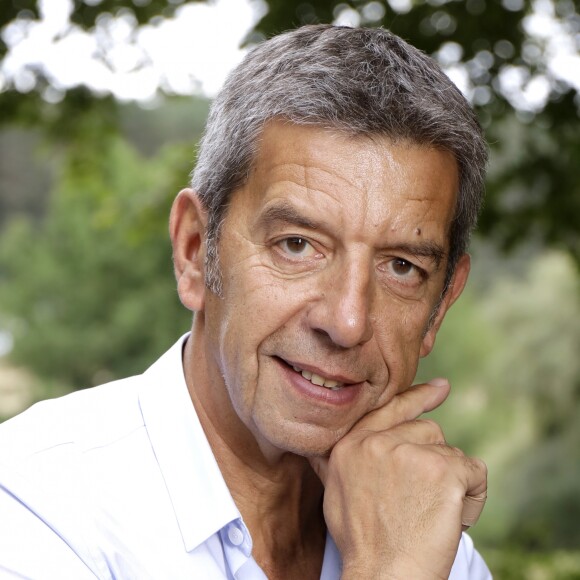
[(198, 492), (201, 499)]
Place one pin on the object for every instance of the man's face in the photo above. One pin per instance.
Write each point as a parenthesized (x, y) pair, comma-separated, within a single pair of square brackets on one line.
[(333, 260)]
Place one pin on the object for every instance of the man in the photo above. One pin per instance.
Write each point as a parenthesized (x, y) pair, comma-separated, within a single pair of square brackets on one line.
[(320, 246)]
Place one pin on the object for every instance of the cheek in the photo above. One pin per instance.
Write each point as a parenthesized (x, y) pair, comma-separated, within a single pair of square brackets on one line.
[(263, 298), (399, 334), (255, 305), (401, 322)]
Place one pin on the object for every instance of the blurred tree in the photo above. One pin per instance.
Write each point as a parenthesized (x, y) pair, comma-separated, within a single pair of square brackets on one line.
[(23, 174), (502, 52), (511, 347), (89, 293), (539, 370)]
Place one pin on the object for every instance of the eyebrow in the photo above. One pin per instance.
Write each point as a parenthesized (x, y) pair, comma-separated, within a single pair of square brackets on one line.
[(286, 213), (429, 250)]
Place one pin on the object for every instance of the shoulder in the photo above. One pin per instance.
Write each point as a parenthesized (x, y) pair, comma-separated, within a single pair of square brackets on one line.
[(79, 421), (53, 458)]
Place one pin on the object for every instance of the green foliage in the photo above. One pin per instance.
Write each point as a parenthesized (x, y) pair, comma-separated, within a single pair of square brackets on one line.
[(86, 14), (521, 565), (24, 174), (543, 485), (511, 352), (533, 191), (540, 369), (89, 294), (538, 318)]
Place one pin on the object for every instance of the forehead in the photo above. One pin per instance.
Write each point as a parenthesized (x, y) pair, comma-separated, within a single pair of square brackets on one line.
[(373, 179)]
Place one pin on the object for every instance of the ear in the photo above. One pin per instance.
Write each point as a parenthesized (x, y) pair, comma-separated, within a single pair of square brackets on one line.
[(456, 286), (187, 227)]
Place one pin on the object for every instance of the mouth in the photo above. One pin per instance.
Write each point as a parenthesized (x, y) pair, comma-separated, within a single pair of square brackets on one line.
[(331, 390), (319, 380)]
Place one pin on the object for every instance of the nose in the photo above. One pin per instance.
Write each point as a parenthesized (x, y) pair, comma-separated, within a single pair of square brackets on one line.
[(342, 310)]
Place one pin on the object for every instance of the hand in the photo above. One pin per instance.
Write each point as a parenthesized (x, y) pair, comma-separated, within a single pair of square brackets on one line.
[(395, 492)]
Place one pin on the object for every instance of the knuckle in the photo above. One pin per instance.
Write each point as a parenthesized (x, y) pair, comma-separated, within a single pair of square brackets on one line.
[(408, 455), (341, 449), (434, 429), (455, 451), (427, 465), (480, 465), (374, 446), (437, 466)]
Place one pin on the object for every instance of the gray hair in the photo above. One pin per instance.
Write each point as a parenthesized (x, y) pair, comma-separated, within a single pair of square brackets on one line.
[(360, 81)]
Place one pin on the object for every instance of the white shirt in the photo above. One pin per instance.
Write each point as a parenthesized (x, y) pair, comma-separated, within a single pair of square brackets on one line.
[(119, 481)]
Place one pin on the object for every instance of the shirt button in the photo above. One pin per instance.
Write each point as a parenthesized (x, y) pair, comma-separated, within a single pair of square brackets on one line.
[(236, 536)]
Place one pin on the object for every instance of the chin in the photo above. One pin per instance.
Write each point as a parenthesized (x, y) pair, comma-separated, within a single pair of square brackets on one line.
[(300, 439)]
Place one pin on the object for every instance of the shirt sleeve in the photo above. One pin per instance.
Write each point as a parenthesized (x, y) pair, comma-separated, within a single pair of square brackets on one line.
[(469, 565)]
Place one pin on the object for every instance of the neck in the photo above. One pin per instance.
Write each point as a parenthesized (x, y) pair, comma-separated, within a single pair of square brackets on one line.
[(282, 506), (277, 493)]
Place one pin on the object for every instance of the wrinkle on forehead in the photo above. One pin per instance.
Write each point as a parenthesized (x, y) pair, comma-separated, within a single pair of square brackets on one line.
[(384, 180)]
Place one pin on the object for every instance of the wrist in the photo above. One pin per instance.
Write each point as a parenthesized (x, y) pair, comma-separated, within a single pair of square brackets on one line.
[(373, 570)]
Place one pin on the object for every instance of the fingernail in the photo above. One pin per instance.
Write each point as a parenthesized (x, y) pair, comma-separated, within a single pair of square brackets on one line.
[(439, 382)]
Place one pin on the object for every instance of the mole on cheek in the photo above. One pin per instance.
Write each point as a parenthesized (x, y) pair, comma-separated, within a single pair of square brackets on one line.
[(418, 231)]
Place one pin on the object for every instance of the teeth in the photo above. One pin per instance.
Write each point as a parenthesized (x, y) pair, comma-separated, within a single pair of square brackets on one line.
[(318, 380)]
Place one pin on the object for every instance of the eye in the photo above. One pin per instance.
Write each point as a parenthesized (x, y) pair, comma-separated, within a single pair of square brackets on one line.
[(297, 247), (403, 272), (402, 267)]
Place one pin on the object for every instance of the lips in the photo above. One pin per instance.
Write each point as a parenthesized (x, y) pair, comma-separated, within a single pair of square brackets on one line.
[(332, 391), (317, 377)]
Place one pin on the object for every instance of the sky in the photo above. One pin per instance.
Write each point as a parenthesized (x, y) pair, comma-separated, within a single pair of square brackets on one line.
[(194, 51)]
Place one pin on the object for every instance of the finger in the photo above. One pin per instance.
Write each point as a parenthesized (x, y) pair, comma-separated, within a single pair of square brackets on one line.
[(406, 406), (472, 507), (475, 478), (320, 467), (476, 490), (418, 431)]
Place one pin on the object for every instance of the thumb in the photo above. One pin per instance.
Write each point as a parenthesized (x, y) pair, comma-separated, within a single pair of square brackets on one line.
[(405, 406), (320, 466)]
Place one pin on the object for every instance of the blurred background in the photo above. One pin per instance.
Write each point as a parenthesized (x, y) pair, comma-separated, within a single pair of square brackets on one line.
[(101, 105)]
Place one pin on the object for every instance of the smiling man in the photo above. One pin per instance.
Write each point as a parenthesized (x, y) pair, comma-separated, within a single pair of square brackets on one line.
[(320, 246)]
